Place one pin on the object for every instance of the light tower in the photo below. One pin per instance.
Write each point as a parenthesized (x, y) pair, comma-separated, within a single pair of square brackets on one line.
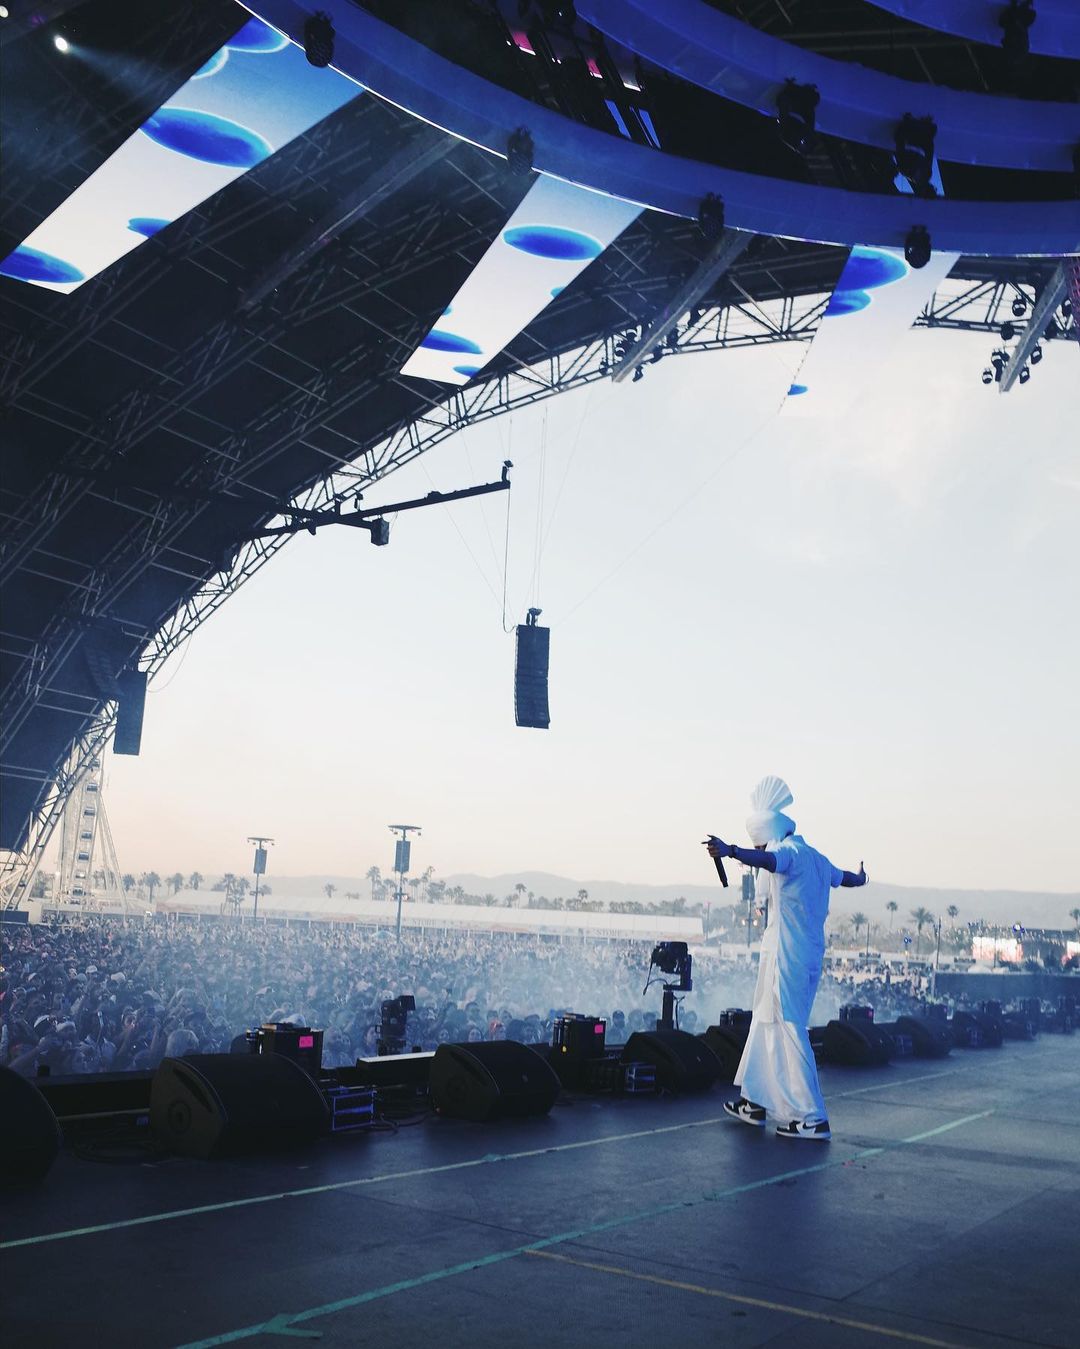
[(402, 850), (258, 867)]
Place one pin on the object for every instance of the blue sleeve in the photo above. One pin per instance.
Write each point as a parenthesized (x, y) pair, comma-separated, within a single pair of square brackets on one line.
[(837, 877), (784, 858)]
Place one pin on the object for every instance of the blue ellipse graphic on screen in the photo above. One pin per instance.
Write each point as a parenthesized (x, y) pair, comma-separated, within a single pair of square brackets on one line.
[(796, 389), (438, 340), (556, 291), (256, 36), (846, 302), (870, 267), (213, 65), (147, 225), (205, 136), (469, 370), (553, 241), (28, 264)]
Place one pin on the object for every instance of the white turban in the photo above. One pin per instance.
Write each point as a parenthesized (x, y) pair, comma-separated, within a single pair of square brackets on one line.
[(767, 823)]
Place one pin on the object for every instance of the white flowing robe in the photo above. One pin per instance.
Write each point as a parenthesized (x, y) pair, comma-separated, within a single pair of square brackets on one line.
[(777, 1069)]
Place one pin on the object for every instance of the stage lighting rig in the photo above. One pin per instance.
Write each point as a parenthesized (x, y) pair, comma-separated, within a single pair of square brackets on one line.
[(1036, 355), (1025, 375), (1019, 307), (1015, 20), (914, 157), (319, 39), (917, 248), (1008, 331), (711, 216), (519, 153), (988, 376), (796, 114)]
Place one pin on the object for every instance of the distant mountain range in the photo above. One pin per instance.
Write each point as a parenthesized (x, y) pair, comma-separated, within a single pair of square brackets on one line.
[(1034, 908)]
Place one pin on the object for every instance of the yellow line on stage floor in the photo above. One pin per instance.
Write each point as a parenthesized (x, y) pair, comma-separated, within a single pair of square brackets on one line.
[(908, 1335)]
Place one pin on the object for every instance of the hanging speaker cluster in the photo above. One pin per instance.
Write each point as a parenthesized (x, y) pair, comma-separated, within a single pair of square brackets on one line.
[(531, 673)]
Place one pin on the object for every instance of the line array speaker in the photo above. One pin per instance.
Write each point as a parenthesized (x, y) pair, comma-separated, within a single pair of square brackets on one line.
[(531, 676), (216, 1105), (495, 1080), (131, 702)]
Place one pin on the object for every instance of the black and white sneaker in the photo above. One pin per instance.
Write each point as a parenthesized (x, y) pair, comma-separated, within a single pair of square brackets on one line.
[(798, 1128), (747, 1111)]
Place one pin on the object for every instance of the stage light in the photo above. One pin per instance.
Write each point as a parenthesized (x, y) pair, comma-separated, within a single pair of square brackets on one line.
[(988, 376), (1052, 330), (710, 216), (917, 247), (1036, 355), (639, 373), (1025, 375), (914, 141), (1066, 307), (1019, 307), (5, 13), (1015, 20), (61, 43), (519, 153), (796, 106), (319, 39), (1008, 331)]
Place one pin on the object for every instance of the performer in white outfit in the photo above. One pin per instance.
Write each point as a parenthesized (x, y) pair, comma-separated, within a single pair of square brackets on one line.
[(777, 1073)]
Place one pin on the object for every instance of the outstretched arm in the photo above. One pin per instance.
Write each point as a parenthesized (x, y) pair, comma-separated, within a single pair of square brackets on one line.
[(853, 878), (749, 857)]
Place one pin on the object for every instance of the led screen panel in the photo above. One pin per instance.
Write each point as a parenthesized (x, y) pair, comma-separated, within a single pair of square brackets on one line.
[(878, 297), (251, 97), (549, 240)]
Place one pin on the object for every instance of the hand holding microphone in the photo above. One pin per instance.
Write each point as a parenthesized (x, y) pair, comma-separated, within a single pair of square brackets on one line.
[(718, 849)]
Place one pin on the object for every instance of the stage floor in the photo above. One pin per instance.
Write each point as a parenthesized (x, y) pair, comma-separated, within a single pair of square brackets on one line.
[(946, 1211)]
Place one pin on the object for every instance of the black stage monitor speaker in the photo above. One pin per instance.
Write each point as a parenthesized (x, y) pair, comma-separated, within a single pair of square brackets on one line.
[(29, 1134), (495, 1080), (727, 1043), (855, 1043), (531, 676), (130, 702), (214, 1105), (930, 1037), (683, 1062)]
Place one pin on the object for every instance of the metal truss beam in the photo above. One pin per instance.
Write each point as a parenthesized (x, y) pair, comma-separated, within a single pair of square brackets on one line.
[(727, 250), (1041, 312)]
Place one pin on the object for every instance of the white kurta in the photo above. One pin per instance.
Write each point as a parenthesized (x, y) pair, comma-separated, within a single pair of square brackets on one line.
[(777, 1069)]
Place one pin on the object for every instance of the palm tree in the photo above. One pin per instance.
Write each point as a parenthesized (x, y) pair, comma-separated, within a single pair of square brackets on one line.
[(582, 895), (920, 917), (519, 890), (328, 889), (243, 885), (892, 906), (128, 881), (426, 880), (1074, 914), (857, 921), (176, 880), (150, 879), (953, 912), (195, 880), (374, 875)]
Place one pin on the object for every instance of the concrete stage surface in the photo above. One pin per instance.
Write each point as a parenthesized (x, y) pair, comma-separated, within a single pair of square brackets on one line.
[(946, 1211)]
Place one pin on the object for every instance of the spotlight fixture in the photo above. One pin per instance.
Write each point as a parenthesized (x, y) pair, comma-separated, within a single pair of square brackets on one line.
[(694, 316), (796, 106), (1015, 20), (673, 340), (914, 157), (1019, 307), (639, 373), (1066, 307), (5, 13), (1036, 355), (988, 376), (917, 249), (61, 43), (1052, 330), (319, 39), (710, 216), (519, 153), (1008, 331), (1025, 375)]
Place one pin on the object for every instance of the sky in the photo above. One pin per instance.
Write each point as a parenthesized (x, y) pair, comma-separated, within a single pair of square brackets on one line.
[(882, 610)]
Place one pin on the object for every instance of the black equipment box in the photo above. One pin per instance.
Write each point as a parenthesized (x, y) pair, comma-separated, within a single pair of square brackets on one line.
[(299, 1043), (580, 1037), (736, 1018), (857, 1012), (389, 1070), (351, 1108)]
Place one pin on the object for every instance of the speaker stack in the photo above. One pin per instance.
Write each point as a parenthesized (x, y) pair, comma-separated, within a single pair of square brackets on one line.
[(496, 1080), (727, 1040), (217, 1105), (682, 1062)]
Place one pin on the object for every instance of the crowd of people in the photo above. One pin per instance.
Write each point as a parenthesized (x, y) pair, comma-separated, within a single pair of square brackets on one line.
[(100, 994)]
